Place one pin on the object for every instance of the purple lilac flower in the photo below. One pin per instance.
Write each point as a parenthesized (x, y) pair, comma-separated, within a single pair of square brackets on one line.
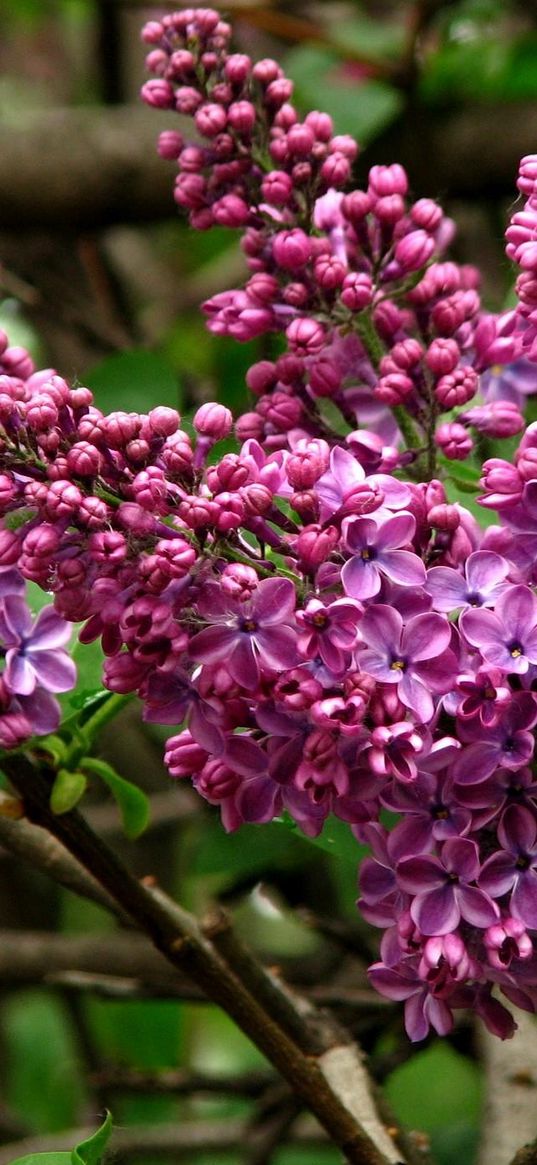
[(509, 742), (423, 1008), (431, 813), (34, 650), (507, 636), (443, 891), (330, 631), (479, 586), (377, 551), (416, 657), (514, 867), (247, 635)]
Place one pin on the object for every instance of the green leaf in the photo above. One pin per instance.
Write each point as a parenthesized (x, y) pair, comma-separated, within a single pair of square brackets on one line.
[(67, 790), (135, 381), (44, 1159), (332, 416), (361, 108), (336, 838), (373, 39), (90, 1152), (86, 1153), (132, 801)]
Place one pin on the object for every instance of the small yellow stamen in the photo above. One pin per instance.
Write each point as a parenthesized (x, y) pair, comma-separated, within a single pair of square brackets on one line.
[(397, 665)]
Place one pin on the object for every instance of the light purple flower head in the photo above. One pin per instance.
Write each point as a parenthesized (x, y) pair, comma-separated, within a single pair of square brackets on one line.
[(376, 550), (35, 654), (415, 656)]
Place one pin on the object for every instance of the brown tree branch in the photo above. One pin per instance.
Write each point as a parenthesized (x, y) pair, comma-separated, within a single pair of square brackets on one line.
[(102, 167), (332, 1085)]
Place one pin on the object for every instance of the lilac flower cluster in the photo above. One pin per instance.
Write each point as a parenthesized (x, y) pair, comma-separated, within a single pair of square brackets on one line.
[(328, 632), (372, 316)]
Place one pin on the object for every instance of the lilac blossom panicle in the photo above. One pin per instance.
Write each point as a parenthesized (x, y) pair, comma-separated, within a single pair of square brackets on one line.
[(325, 627)]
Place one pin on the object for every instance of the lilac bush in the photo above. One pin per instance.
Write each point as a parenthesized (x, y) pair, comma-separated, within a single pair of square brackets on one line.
[(328, 626)]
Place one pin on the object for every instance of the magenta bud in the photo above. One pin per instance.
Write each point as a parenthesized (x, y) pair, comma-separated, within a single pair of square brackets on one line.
[(213, 420), (385, 180), (306, 337), (170, 143), (291, 249), (158, 93)]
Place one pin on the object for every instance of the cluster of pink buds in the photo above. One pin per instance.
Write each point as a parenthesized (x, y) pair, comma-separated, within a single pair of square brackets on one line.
[(372, 315), (327, 629)]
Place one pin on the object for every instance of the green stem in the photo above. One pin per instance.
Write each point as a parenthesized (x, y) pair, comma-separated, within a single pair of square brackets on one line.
[(87, 733), (376, 350)]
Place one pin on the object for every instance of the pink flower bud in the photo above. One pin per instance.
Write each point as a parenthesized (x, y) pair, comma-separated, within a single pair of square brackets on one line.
[(152, 32), (414, 250), (306, 337), (357, 292), (393, 388), (230, 211), (426, 214), (321, 124), (158, 93), (291, 249), (315, 544), (356, 206), (300, 139), (444, 517), (170, 143), (329, 272), (325, 378), (84, 459), (453, 440), (261, 377), (278, 92), (237, 68), (336, 170), (384, 180), (457, 387), (266, 71), (442, 356), (210, 119), (213, 420), (276, 187)]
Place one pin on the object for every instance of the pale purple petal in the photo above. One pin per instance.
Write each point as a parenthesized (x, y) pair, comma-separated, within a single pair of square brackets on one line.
[(436, 912), (243, 663), (476, 907), (523, 903), (461, 857), (447, 587), (277, 646), (420, 873), (19, 674), (361, 578), (381, 628), (426, 636), (212, 644), (54, 670), (416, 696), (395, 532), (485, 569), (50, 630), (403, 567), (273, 600)]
